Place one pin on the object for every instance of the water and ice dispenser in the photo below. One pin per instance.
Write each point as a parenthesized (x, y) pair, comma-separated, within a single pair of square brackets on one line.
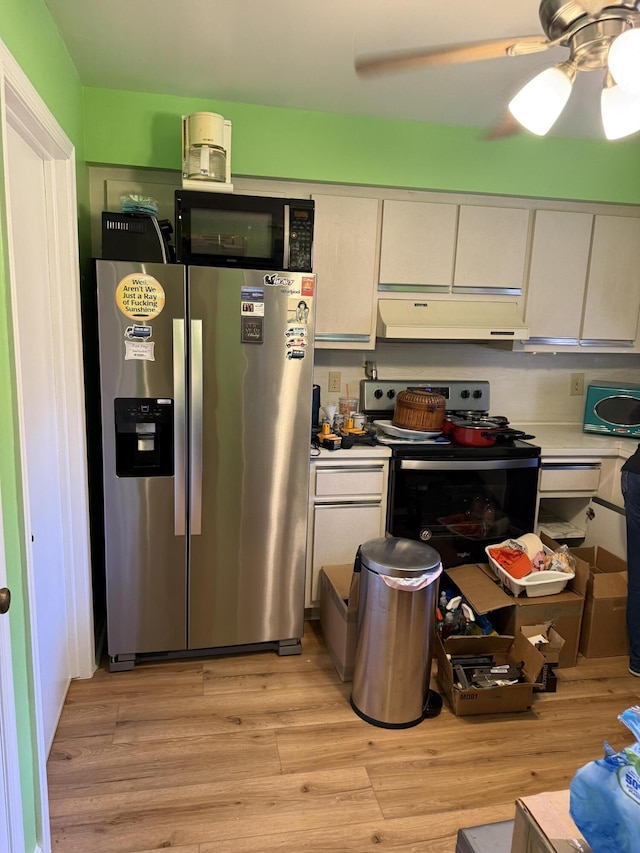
[(144, 437)]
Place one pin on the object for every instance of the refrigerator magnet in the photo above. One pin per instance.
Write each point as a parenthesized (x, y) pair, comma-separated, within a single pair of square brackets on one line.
[(308, 282), (251, 329), (252, 301), (140, 296), (141, 333), (139, 351), (298, 311)]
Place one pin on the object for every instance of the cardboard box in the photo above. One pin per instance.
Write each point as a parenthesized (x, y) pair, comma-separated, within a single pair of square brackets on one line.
[(543, 825), (508, 614), (339, 615), (491, 700), (550, 650), (604, 624)]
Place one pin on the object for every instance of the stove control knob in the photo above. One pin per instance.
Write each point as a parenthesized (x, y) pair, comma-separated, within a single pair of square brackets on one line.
[(425, 534), (377, 393), (391, 394), (464, 394), (477, 394)]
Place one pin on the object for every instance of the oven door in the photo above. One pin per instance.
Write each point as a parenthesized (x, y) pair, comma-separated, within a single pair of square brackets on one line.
[(461, 506)]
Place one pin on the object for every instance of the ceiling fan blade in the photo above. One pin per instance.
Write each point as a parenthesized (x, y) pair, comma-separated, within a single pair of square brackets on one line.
[(504, 128), (409, 60)]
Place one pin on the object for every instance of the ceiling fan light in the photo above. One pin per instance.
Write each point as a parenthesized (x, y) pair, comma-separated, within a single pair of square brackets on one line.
[(620, 111), (624, 61), (539, 103)]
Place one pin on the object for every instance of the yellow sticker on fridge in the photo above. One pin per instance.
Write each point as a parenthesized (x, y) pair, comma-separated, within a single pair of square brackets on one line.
[(140, 296)]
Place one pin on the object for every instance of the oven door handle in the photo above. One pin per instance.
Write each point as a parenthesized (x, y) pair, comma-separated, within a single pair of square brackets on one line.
[(466, 464)]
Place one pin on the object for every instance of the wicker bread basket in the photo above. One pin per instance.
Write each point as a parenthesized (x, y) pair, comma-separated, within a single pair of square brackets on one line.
[(419, 409)]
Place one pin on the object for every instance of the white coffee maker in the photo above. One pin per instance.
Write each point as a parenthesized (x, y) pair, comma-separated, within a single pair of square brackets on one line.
[(206, 152)]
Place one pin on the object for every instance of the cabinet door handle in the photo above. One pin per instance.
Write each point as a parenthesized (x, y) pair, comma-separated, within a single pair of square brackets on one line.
[(562, 466), (347, 502)]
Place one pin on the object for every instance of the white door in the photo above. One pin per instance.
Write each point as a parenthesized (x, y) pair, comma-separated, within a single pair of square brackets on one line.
[(39, 423)]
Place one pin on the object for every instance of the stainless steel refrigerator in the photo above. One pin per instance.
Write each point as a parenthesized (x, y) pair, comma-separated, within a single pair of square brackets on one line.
[(206, 388)]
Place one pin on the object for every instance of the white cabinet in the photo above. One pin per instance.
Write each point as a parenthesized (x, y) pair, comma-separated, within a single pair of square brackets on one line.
[(418, 245), (435, 246), (583, 281), (491, 249), (565, 488), (557, 274), (347, 506), (345, 261), (613, 288)]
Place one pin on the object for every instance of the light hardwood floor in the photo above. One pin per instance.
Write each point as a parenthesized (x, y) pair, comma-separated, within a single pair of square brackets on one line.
[(258, 754)]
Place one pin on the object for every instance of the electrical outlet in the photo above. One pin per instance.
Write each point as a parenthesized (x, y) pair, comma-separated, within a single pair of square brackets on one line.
[(576, 386), (335, 381)]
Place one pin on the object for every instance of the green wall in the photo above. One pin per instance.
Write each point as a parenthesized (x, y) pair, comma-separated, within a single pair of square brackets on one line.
[(28, 32), (138, 129)]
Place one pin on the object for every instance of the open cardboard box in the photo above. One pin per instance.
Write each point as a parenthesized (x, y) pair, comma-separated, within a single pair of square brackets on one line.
[(543, 825), (491, 700), (339, 587), (508, 614), (604, 624), (550, 650)]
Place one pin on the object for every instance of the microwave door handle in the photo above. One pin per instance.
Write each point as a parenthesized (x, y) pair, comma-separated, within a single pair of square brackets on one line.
[(287, 248)]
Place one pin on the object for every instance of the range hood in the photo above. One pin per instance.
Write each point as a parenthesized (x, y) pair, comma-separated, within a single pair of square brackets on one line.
[(465, 320)]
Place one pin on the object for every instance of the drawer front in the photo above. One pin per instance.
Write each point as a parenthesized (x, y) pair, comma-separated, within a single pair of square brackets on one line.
[(349, 481), (574, 477)]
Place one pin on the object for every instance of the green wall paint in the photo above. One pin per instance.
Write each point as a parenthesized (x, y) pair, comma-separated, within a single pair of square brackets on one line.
[(28, 32), (138, 129)]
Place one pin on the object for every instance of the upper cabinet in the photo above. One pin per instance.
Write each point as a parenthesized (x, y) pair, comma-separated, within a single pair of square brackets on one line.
[(345, 252), (613, 286), (444, 247), (418, 243), (558, 275), (583, 280), (491, 249)]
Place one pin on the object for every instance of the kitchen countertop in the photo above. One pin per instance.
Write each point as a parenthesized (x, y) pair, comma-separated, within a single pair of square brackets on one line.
[(570, 440), (553, 439), (358, 451)]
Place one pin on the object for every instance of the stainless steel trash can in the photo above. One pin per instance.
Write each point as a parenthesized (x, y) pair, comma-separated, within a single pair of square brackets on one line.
[(396, 623)]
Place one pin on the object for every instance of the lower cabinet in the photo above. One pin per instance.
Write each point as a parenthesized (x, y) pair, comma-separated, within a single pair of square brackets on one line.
[(347, 506), (565, 489)]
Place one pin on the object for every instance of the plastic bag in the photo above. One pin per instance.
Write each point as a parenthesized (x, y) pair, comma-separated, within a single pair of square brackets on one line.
[(135, 203), (605, 795), (560, 561)]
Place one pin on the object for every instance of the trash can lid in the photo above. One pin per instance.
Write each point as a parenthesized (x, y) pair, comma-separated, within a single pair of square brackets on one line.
[(399, 557)]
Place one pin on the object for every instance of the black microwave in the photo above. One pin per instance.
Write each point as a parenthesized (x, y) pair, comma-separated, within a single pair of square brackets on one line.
[(250, 232)]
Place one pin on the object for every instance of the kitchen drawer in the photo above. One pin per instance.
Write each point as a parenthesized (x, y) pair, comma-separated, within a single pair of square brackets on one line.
[(341, 481), (569, 476)]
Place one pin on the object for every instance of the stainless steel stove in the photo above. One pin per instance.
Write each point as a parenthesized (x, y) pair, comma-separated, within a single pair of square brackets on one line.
[(460, 499)]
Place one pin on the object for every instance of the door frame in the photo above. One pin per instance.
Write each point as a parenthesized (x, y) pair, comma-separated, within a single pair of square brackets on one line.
[(23, 109), (11, 825)]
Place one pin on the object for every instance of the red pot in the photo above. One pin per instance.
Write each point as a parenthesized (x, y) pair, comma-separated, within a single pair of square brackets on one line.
[(447, 425), (482, 433), (477, 434)]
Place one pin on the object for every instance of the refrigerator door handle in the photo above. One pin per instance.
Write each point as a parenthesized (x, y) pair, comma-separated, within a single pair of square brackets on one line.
[(196, 428), (286, 253), (179, 483)]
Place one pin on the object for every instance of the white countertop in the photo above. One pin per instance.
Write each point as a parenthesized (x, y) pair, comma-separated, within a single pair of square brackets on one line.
[(569, 439)]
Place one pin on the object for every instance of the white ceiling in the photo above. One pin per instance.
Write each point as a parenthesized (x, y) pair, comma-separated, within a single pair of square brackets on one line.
[(300, 54)]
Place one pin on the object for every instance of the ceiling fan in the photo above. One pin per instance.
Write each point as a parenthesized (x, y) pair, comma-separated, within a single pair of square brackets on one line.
[(600, 35)]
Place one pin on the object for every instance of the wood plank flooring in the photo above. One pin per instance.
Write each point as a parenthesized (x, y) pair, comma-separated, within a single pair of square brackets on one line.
[(262, 754)]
